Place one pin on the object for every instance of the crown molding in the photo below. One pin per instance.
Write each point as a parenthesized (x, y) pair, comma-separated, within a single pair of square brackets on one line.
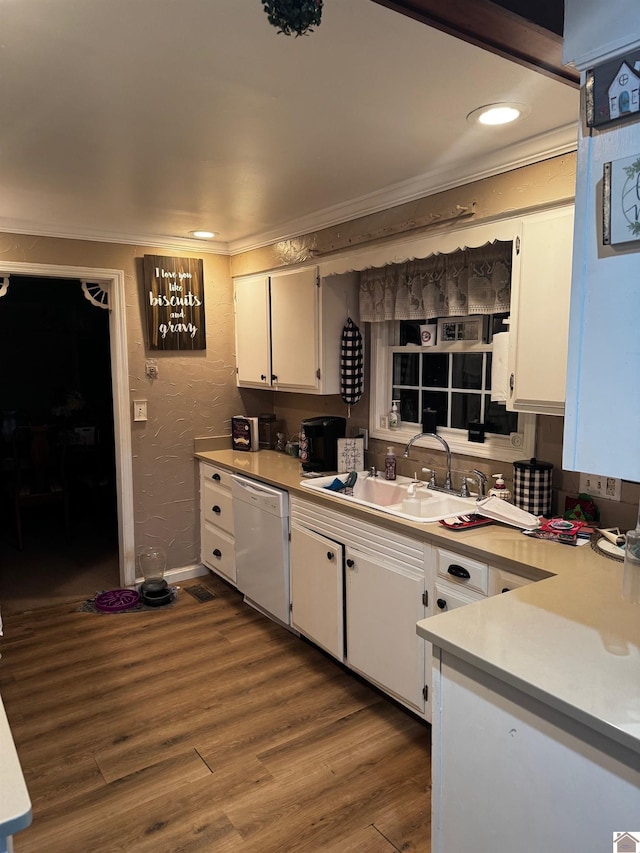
[(555, 143), (44, 229)]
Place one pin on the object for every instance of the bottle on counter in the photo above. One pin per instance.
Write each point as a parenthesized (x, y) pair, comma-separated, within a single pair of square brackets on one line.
[(631, 572), (390, 464), (499, 489), (394, 416)]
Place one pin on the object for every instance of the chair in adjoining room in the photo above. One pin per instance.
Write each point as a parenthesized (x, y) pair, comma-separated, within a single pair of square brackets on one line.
[(39, 475)]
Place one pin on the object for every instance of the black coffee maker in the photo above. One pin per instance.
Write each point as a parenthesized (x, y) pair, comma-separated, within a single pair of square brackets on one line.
[(319, 442)]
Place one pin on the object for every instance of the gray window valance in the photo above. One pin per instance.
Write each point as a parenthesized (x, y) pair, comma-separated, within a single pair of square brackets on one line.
[(467, 281)]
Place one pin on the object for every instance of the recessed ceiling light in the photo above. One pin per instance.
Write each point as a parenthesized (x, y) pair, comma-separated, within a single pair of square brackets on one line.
[(495, 114), (202, 235)]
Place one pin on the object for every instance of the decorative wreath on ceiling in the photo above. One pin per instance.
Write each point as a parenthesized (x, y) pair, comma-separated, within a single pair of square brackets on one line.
[(293, 16)]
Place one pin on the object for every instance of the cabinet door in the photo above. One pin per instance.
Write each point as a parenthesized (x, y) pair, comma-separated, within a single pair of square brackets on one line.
[(539, 325), (384, 602), (316, 589), (295, 330), (253, 360)]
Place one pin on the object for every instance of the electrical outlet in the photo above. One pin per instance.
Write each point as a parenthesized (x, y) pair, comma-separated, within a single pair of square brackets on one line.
[(364, 434), (383, 421), (599, 486)]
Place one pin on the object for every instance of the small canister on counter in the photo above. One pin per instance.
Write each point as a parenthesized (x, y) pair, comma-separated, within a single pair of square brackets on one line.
[(532, 486)]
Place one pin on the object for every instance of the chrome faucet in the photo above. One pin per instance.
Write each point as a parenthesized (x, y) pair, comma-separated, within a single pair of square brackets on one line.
[(482, 481), (447, 482)]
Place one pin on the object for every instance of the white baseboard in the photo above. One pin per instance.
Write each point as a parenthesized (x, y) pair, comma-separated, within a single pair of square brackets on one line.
[(182, 574)]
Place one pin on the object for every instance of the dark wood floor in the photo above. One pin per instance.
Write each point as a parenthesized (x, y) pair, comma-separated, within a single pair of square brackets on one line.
[(204, 727)]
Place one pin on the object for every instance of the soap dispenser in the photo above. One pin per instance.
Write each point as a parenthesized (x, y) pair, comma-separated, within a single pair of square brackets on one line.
[(499, 489), (394, 416), (390, 464), (412, 504)]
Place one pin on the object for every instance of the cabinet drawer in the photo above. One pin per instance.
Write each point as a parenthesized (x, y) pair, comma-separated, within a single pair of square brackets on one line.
[(501, 581), (463, 571), (218, 476), (217, 507), (448, 597), (217, 551)]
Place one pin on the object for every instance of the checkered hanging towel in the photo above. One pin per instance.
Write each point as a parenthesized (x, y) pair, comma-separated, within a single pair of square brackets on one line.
[(351, 365)]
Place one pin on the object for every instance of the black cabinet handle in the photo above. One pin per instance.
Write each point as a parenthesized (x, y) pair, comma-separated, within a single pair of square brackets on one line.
[(263, 376), (217, 552), (458, 571), (215, 477), (216, 509), (442, 604), (350, 563), (330, 555)]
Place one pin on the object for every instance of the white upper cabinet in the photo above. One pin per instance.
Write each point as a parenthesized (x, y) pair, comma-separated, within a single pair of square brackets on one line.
[(288, 329), (602, 418), (540, 298), (295, 330), (253, 336)]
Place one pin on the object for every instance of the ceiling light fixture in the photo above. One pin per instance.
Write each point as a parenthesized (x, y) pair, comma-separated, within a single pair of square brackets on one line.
[(496, 114), (202, 235)]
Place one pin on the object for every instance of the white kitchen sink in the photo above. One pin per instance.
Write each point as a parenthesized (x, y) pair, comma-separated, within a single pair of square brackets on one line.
[(387, 496)]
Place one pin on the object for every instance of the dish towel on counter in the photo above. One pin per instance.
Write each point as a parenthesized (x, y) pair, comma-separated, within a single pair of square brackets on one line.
[(351, 364), (500, 368)]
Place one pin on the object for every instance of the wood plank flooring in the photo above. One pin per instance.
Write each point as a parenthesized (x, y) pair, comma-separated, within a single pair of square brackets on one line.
[(204, 727)]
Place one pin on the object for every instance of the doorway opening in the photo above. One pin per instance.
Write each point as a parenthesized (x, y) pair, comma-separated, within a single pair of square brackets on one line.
[(71, 369)]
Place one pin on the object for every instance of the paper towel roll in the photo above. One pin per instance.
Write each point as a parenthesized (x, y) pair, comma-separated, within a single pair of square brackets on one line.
[(500, 368)]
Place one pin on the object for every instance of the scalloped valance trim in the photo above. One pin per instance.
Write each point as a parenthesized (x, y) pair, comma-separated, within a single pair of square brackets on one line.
[(466, 281)]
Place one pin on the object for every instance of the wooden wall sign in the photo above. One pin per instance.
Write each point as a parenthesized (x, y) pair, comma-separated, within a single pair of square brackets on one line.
[(612, 91), (174, 302)]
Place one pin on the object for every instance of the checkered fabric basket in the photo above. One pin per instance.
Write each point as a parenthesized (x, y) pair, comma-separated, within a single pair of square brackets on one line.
[(532, 486)]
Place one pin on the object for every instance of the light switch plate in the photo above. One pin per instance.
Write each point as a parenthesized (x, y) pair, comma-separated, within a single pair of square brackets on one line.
[(599, 486), (140, 410)]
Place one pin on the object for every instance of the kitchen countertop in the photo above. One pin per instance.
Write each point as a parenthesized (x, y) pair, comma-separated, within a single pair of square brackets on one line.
[(570, 641)]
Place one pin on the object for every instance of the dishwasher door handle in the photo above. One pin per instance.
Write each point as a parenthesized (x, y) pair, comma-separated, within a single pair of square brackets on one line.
[(253, 488)]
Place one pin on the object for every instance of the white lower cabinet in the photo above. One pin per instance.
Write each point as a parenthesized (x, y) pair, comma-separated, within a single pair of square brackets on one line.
[(384, 600), (357, 590), (217, 543), (317, 589), (513, 773)]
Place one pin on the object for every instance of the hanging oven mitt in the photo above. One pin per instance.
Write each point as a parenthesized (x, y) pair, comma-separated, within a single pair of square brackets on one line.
[(351, 365)]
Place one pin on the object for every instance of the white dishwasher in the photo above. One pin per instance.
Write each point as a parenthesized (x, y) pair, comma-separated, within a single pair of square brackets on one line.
[(261, 525)]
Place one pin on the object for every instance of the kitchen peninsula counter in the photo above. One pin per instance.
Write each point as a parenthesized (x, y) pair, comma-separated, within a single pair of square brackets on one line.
[(570, 641)]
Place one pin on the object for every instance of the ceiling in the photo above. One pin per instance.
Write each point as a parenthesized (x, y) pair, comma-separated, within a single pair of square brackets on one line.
[(141, 121)]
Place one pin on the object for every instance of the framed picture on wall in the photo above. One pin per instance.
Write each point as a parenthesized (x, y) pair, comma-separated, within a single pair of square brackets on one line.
[(174, 299), (621, 201)]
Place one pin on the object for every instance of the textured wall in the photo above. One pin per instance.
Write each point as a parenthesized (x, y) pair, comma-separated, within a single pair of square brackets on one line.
[(194, 394)]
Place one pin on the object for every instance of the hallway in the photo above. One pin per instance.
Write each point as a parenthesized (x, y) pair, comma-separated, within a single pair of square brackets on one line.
[(52, 569)]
